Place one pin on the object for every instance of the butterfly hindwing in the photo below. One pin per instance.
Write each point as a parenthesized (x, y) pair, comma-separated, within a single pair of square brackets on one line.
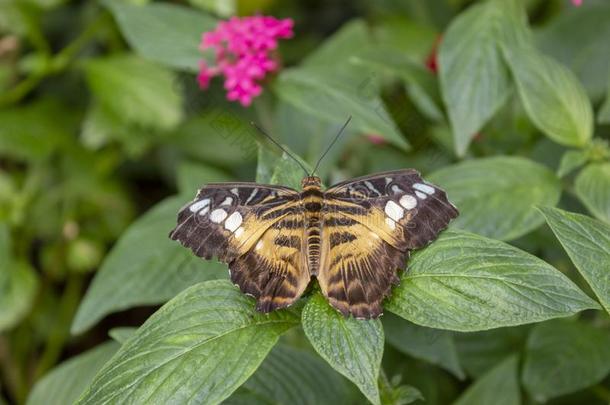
[(274, 271), (371, 224), (241, 224)]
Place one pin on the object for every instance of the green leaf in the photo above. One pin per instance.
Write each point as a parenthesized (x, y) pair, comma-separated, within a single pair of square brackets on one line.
[(577, 38), (18, 284), (293, 376), (474, 81), (587, 242), (496, 196), (591, 186), (394, 393), (421, 84), (499, 386), (137, 91), (145, 267), (287, 172), (217, 136), (352, 347), (165, 33), (350, 39), (122, 334), (466, 282), (572, 160), (333, 97), (432, 345), (552, 96), (65, 383), (563, 357), (200, 346), (32, 132), (224, 8), (192, 176), (481, 351)]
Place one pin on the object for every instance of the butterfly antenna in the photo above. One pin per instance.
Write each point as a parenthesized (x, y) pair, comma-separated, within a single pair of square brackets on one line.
[(331, 144), (262, 131)]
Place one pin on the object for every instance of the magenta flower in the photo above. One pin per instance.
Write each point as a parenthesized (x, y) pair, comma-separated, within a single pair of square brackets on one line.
[(244, 54), (577, 3)]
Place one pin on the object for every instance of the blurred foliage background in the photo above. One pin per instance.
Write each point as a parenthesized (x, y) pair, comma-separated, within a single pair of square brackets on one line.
[(101, 119)]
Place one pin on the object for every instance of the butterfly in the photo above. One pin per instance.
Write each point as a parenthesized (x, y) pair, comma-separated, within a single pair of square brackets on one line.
[(352, 237)]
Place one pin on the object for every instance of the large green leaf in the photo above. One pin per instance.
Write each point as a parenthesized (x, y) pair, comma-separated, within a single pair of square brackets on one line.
[(577, 37), (499, 386), (591, 186), (352, 347), (552, 96), (162, 32), (138, 91), (293, 376), (200, 346), (145, 267), (587, 242), (334, 96), (474, 81), (466, 282), (496, 196), (563, 357), (432, 345), (66, 383)]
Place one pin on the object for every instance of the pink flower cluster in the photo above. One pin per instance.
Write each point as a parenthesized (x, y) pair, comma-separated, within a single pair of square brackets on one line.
[(244, 54), (577, 3)]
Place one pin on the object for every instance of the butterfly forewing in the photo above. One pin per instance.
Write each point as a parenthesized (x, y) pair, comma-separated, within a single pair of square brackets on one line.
[(244, 225), (370, 225)]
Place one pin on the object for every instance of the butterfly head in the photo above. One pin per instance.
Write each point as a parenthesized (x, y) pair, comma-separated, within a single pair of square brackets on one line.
[(311, 182)]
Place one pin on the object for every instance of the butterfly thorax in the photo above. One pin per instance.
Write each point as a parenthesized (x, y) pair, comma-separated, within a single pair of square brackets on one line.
[(312, 198)]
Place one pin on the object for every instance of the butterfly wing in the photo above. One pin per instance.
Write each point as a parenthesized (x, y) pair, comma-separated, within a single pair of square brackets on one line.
[(383, 217), (244, 224)]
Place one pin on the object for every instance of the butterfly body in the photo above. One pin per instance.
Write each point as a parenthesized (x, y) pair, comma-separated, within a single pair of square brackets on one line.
[(352, 237)]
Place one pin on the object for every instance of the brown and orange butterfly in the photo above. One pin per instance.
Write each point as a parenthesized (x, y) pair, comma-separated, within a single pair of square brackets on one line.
[(353, 237)]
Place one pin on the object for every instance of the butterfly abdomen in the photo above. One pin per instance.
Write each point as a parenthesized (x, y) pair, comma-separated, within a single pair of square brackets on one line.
[(312, 198)]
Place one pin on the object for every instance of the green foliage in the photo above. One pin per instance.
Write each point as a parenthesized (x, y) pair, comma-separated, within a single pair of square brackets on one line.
[(145, 267), (587, 242), (467, 282), (66, 383), (551, 346), (498, 386), (352, 347), (496, 196), (210, 323), (105, 135)]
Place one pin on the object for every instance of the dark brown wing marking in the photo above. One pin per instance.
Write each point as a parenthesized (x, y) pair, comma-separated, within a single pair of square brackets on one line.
[(230, 220), (370, 225)]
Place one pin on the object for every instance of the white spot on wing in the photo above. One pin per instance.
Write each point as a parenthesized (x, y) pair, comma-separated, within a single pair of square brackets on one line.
[(421, 195), (238, 232), (233, 222), (199, 205), (394, 210), (259, 245), (235, 191), (424, 188), (408, 202), (204, 211), (218, 215), (396, 189), (227, 201), (371, 187), (251, 195), (390, 223)]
